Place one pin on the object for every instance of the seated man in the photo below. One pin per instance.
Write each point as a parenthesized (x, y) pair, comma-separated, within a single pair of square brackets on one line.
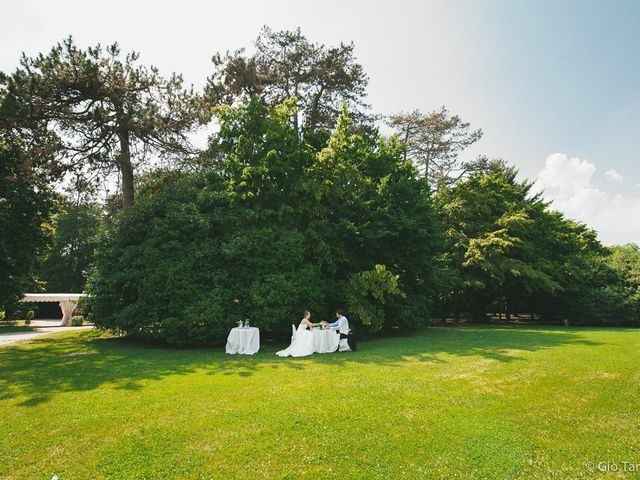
[(341, 326)]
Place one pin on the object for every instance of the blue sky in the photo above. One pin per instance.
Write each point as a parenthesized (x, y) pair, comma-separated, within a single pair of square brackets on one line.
[(569, 73), (541, 78)]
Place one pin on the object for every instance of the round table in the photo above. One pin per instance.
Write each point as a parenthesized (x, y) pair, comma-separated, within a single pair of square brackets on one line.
[(243, 341), (325, 341)]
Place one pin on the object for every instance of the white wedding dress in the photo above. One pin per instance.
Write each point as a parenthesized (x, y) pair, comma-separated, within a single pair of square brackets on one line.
[(301, 343)]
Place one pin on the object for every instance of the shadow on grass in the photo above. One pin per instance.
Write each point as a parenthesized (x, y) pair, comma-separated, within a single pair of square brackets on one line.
[(81, 362)]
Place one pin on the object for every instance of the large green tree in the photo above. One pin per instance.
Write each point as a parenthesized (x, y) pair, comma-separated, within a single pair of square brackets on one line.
[(100, 112), (434, 142), (66, 263), (506, 251), (606, 290), (383, 236), (286, 65), (624, 261), (278, 227), (24, 208)]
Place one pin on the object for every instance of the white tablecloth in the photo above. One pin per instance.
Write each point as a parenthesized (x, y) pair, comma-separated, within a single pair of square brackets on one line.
[(245, 341), (325, 341)]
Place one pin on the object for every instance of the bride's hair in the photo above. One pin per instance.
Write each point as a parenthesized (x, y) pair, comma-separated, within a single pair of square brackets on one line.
[(306, 312)]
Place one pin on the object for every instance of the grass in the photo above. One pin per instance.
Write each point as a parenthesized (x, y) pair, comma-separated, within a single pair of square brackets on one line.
[(470, 402)]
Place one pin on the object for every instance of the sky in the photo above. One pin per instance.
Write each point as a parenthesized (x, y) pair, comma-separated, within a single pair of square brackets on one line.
[(554, 85)]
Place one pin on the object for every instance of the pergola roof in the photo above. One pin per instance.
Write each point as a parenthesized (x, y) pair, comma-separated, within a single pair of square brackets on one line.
[(51, 297)]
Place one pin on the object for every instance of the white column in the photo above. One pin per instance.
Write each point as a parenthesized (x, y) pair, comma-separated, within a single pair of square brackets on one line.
[(67, 311)]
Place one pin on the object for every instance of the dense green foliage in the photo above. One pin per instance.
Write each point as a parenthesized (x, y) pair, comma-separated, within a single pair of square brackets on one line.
[(607, 292), (624, 261), (278, 228), (24, 208), (293, 205), (507, 252), (67, 261)]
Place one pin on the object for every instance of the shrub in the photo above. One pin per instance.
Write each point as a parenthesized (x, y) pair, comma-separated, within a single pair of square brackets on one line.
[(610, 290), (77, 321), (366, 293), (172, 270), (29, 317)]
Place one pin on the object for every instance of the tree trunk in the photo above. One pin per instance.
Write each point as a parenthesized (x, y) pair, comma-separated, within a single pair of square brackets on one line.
[(507, 310), (126, 170), (296, 120), (313, 111), (296, 123), (406, 143)]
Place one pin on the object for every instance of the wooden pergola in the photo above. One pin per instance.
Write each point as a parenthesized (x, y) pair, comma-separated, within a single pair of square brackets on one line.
[(67, 302)]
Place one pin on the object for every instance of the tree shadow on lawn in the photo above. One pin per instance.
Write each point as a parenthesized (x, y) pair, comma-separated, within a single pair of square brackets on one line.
[(500, 343), (74, 363)]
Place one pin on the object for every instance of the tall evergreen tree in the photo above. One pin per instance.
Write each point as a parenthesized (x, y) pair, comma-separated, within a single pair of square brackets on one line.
[(104, 113), (287, 65), (502, 244), (434, 141)]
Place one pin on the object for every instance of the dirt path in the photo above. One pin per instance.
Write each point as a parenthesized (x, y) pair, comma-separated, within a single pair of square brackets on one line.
[(6, 338)]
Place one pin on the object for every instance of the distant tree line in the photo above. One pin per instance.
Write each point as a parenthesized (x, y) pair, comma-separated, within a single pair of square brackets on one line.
[(297, 202)]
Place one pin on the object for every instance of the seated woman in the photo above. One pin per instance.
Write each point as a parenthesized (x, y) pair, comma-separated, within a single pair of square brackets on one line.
[(302, 341)]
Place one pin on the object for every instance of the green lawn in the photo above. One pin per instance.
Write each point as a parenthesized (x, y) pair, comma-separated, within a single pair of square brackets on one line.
[(485, 403)]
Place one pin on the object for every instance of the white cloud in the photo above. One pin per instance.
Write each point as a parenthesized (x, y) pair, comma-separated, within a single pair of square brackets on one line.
[(567, 174), (566, 182), (613, 175)]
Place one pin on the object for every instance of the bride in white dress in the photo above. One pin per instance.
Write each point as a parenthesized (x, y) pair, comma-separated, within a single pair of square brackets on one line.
[(302, 340)]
